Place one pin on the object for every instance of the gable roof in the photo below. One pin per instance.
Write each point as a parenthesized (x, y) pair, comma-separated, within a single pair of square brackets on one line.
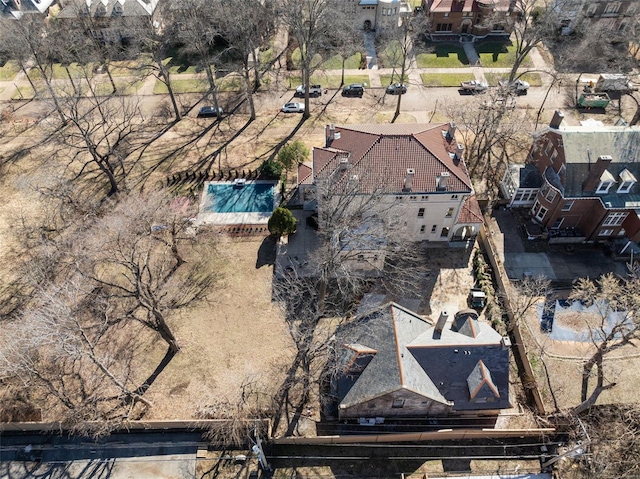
[(128, 8), (480, 384), (408, 355), (387, 330), (382, 154)]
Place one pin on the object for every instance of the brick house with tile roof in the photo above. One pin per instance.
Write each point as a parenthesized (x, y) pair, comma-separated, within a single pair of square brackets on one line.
[(480, 18), (417, 169), (393, 363), (588, 188)]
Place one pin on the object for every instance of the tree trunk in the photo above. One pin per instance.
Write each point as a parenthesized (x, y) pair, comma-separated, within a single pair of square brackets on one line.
[(544, 100), (165, 331), (256, 71), (306, 80), (249, 92), (212, 85), (164, 74), (113, 83)]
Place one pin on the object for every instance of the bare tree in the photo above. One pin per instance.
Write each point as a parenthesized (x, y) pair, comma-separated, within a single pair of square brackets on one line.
[(101, 133), (137, 255), (247, 27), (611, 323), (310, 22), (29, 42), (400, 49), (155, 39), (527, 294), (492, 136), (79, 364), (534, 23), (197, 33)]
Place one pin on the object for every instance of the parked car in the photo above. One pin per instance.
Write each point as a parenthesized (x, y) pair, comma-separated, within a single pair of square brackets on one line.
[(473, 86), (293, 107), (520, 87), (353, 90), (210, 112), (396, 89), (314, 90)]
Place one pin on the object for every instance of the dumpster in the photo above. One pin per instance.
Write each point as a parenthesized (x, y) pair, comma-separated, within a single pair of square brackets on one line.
[(593, 100)]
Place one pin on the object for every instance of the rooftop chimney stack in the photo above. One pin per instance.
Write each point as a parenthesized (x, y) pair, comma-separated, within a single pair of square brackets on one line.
[(593, 179), (408, 180), (441, 181), (330, 133), (556, 121), (451, 131), (442, 320), (459, 151)]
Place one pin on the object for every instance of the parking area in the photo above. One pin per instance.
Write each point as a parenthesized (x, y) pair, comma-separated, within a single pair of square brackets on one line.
[(520, 259)]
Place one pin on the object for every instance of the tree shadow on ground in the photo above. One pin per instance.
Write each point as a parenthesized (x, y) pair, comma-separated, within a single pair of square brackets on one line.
[(94, 469), (267, 252)]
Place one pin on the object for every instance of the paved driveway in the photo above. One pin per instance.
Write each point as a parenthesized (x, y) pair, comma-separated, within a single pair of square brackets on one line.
[(586, 261)]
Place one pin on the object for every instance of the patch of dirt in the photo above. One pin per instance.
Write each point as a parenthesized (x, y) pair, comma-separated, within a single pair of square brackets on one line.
[(239, 338)]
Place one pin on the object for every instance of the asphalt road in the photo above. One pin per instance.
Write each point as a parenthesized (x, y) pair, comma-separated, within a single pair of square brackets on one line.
[(420, 102), (140, 456)]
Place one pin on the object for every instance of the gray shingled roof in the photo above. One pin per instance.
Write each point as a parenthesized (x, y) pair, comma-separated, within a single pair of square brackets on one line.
[(583, 145), (410, 356)]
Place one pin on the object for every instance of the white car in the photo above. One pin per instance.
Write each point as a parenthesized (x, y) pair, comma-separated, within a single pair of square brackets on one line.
[(293, 107)]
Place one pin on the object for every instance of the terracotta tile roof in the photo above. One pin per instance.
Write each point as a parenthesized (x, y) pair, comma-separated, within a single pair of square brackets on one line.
[(470, 211), (381, 154), (305, 176)]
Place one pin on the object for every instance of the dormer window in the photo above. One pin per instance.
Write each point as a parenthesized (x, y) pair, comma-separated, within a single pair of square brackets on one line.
[(603, 186), (627, 180), (117, 9)]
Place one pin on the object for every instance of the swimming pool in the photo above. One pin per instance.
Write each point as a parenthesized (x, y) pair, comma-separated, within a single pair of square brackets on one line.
[(252, 197)]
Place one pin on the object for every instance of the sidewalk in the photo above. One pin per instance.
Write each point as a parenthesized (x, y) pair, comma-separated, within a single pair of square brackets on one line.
[(12, 87)]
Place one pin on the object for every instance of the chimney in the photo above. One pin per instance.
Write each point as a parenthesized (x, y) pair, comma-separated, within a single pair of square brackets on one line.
[(556, 121), (506, 342), (408, 180), (441, 181), (451, 131), (330, 134), (593, 178), (442, 320), (459, 151)]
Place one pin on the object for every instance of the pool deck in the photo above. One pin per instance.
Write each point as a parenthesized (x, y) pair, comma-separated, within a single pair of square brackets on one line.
[(240, 218)]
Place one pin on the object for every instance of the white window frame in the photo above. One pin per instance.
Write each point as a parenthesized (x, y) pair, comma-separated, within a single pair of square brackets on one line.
[(554, 227), (550, 195), (539, 211), (625, 187), (604, 186), (567, 208), (612, 8), (605, 233), (615, 219)]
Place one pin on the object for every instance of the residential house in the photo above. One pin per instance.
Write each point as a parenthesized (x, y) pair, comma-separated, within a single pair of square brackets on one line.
[(417, 171), (614, 17), (107, 20), (15, 9), (393, 363), (479, 18), (588, 176), (375, 14)]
